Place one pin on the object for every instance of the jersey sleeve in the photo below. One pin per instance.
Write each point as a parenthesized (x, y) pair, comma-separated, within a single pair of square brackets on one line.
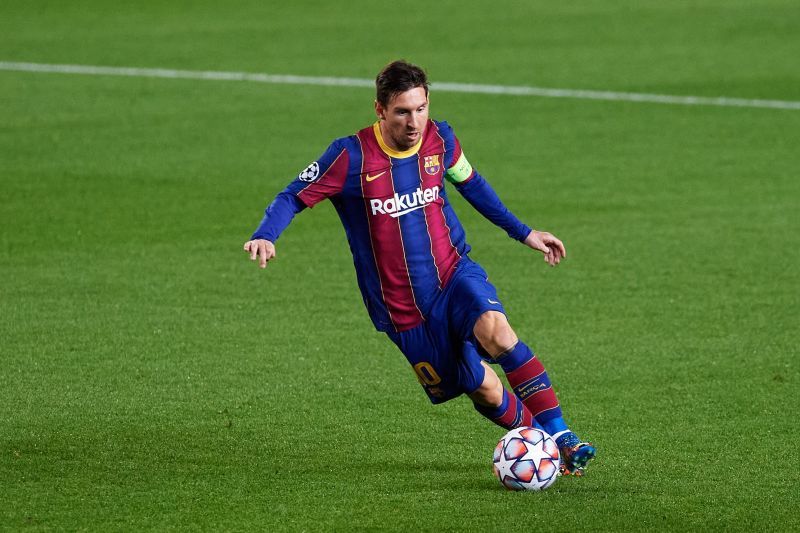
[(457, 169), (324, 177), (277, 216), (321, 179), (476, 190)]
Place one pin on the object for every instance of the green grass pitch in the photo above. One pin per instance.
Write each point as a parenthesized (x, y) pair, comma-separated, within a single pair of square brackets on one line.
[(152, 378)]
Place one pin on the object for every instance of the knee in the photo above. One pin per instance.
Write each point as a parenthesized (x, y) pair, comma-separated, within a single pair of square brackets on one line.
[(488, 398), (490, 393), (494, 333)]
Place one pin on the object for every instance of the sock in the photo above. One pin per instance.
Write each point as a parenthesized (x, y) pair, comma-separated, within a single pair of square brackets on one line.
[(566, 439), (527, 376), (511, 414)]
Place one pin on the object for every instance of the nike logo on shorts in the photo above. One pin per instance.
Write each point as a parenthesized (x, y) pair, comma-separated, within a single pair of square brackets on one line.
[(492, 301)]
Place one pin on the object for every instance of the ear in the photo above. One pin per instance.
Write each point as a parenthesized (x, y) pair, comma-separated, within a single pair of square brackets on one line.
[(380, 111)]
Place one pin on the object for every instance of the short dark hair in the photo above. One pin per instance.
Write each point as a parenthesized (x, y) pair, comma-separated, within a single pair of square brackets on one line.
[(398, 77)]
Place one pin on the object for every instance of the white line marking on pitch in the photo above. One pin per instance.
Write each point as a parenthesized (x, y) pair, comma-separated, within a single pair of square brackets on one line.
[(517, 90)]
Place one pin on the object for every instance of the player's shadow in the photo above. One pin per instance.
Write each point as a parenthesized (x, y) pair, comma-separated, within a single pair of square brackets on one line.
[(458, 476), (441, 475)]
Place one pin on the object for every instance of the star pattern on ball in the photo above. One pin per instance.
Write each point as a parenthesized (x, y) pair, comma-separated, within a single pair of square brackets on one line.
[(504, 466), (526, 459), (535, 453)]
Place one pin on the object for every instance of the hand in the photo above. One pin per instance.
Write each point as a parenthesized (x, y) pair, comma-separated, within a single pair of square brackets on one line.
[(552, 248), (261, 248)]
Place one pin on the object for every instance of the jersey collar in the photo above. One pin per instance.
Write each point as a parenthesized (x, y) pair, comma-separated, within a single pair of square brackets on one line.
[(376, 128)]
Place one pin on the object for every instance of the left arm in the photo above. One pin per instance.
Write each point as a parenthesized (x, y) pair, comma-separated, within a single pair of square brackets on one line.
[(484, 199)]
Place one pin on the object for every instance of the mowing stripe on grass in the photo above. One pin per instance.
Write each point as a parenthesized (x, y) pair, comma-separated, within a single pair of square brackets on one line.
[(473, 88)]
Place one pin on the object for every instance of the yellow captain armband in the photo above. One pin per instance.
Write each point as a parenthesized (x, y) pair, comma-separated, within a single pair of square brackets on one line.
[(459, 172)]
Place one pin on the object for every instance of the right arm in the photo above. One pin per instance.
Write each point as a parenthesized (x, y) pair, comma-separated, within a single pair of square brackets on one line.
[(321, 179), (276, 218)]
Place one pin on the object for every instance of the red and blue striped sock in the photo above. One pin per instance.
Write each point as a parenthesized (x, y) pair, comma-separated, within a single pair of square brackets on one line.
[(530, 382), (511, 414)]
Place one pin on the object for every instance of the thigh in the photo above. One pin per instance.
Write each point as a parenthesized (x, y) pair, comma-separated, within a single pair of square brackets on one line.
[(469, 296), (445, 369)]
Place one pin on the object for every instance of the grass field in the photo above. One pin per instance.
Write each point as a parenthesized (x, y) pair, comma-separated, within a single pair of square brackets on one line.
[(153, 379)]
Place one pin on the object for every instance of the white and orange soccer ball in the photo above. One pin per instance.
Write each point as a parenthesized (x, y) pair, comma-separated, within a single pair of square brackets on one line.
[(526, 459)]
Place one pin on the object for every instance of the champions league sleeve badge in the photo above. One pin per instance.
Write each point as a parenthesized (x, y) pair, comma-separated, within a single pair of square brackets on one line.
[(310, 173)]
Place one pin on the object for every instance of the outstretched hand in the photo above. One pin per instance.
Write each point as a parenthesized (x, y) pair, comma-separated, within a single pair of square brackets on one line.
[(552, 248), (262, 249)]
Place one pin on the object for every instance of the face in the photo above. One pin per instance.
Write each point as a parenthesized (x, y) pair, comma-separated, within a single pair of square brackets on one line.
[(403, 120)]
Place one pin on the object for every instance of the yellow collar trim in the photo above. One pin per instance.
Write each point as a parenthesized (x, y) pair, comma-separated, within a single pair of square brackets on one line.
[(391, 152)]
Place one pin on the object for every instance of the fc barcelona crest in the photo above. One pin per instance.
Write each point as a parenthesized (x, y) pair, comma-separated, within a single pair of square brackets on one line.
[(432, 164)]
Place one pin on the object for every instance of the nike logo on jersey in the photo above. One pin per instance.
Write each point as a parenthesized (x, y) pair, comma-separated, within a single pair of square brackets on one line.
[(492, 301), (376, 176)]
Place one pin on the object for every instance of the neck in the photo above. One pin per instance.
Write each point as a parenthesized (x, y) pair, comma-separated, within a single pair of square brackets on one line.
[(392, 149), (387, 139)]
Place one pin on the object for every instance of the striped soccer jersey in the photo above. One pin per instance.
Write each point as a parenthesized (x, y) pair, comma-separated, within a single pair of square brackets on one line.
[(405, 237)]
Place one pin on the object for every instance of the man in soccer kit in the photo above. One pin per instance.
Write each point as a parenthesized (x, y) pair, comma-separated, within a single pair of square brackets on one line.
[(387, 183)]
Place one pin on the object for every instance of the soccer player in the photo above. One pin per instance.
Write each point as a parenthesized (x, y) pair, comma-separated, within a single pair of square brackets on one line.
[(387, 183)]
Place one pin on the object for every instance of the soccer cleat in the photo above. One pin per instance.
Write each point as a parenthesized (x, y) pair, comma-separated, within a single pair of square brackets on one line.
[(575, 455), (574, 459)]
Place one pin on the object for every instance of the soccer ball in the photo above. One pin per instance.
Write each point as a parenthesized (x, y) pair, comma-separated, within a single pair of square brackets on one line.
[(526, 459)]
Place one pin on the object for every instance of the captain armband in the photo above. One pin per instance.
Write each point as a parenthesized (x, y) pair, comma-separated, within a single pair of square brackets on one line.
[(459, 172)]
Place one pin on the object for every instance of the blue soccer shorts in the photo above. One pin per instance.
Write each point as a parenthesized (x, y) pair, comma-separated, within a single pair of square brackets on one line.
[(442, 349)]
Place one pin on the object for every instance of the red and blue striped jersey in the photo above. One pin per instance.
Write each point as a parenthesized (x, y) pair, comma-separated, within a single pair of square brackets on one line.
[(403, 233)]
